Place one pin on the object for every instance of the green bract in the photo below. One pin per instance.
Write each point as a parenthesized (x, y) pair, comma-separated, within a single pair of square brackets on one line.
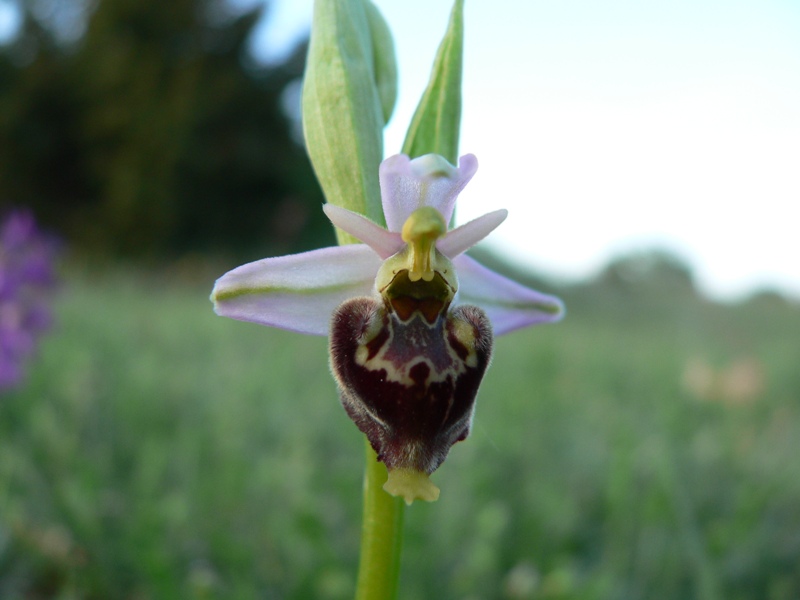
[(435, 125), (347, 94)]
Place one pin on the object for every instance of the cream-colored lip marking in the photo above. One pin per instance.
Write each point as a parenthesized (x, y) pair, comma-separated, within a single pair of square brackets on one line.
[(453, 365)]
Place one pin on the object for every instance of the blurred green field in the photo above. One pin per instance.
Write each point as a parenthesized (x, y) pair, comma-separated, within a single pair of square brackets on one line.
[(646, 447)]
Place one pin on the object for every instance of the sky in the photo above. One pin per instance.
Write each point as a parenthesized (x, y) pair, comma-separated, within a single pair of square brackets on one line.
[(616, 126), (9, 20)]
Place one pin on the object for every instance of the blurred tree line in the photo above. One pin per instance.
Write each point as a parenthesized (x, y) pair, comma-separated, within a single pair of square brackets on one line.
[(144, 128), (633, 286)]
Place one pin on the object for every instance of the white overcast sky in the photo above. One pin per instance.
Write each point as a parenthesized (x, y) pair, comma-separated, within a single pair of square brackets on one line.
[(607, 125)]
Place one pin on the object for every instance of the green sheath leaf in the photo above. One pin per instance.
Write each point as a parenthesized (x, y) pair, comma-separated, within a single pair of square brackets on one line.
[(342, 111), (385, 60)]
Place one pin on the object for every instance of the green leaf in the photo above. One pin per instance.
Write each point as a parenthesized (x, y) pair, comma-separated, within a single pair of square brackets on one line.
[(385, 60), (342, 112), (435, 125)]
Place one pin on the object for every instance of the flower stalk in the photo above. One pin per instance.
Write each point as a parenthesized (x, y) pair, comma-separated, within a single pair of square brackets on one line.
[(381, 535)]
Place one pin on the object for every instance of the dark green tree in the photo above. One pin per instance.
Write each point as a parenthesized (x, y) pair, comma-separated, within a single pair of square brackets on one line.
[(154, 132), (39, 157)]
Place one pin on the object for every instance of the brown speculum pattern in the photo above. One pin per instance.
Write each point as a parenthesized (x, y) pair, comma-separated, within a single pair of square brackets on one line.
[(409, 369)]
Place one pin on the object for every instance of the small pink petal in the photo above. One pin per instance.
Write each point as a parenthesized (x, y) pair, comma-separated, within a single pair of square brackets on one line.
[(467, 235), (429, 180), (508, 304), (384, 242), (298, 292)]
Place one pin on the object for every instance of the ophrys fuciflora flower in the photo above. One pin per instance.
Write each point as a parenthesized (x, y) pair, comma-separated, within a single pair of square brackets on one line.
[(411, 318)]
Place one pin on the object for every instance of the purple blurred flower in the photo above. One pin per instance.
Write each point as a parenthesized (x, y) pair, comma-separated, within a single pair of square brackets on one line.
[(26, 277)]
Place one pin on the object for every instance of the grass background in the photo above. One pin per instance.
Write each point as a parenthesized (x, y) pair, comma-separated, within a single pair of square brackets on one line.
[(646, 447)]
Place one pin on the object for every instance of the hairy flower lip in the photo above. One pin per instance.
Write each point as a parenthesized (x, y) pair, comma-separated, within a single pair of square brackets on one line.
[(409, 385)]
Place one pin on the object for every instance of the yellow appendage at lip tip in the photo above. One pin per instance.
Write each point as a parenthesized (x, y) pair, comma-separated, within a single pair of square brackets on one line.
[(411, 485), (420, 231)]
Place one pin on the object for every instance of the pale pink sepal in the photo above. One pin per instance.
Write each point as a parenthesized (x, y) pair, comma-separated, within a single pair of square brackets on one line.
[(508, 304), (467, 235), (429, 180), (385, 243), (298, 292)]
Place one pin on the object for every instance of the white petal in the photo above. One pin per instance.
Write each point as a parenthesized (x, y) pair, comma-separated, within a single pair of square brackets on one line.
[(429, 180), (298, 292), (384, 242), (508, 304), (463, 238)]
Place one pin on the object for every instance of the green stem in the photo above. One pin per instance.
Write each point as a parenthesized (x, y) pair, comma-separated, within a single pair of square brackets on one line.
[(381, 535)]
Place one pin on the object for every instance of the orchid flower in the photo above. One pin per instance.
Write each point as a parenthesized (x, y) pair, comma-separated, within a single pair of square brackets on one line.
[(27, 277), (411, 318)]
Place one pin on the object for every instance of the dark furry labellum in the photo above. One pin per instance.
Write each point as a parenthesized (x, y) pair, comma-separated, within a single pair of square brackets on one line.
[(407, 355), (408, 378)]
